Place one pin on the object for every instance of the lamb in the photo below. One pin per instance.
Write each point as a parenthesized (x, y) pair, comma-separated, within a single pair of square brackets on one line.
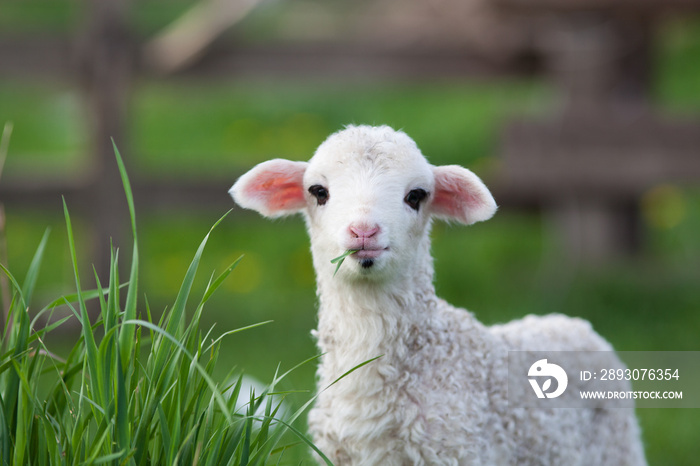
[(437, 393)]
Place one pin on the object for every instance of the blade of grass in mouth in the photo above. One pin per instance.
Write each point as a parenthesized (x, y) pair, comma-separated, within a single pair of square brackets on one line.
[(341, 258)]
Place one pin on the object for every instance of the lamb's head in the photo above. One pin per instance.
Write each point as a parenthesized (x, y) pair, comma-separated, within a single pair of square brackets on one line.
[(367, 189)]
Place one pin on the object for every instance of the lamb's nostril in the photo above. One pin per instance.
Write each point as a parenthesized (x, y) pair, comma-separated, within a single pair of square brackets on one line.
[(363, 231)]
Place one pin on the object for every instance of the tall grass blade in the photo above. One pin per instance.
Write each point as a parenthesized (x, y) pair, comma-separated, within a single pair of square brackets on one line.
[(89, 338), (110, 309), (219, 280), (126, 337), (177, 314), (33, 271), (127, 187)]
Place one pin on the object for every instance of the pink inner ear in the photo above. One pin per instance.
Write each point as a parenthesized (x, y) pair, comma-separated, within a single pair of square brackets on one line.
[(453, 202), (456, 196), (283, 193), (278, 190), (446, 203)]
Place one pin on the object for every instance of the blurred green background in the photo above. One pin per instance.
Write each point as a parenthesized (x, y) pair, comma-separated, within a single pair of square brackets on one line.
[(218, 127)]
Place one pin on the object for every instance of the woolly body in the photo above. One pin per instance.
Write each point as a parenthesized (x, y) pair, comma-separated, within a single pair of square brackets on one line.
[(437, 394)]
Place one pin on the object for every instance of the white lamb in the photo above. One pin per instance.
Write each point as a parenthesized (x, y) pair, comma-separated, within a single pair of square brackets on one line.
[(438, 393)]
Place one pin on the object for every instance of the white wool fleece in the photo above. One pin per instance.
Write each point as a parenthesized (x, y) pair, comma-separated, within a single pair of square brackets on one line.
[(437, 394)]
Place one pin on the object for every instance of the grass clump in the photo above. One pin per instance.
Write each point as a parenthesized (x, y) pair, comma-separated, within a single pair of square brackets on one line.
[(131, 391)]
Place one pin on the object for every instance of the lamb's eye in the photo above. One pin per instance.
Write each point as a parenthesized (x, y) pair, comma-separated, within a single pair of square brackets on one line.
[(415, 197), (320, 193)]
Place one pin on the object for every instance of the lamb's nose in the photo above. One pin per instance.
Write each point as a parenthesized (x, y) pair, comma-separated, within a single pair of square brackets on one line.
[(363, 231)]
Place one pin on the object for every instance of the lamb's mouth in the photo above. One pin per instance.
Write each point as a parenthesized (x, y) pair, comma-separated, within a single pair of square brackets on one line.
[(362, 254), (366, 257)]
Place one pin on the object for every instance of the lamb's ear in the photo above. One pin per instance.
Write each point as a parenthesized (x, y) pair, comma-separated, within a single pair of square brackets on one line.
[(273, 188), (460, 195)]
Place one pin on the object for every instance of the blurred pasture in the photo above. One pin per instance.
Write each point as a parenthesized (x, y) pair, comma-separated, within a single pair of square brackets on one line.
[(213, 128)]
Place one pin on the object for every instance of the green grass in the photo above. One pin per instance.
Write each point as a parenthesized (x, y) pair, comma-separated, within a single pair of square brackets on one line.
[(131, 390)]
